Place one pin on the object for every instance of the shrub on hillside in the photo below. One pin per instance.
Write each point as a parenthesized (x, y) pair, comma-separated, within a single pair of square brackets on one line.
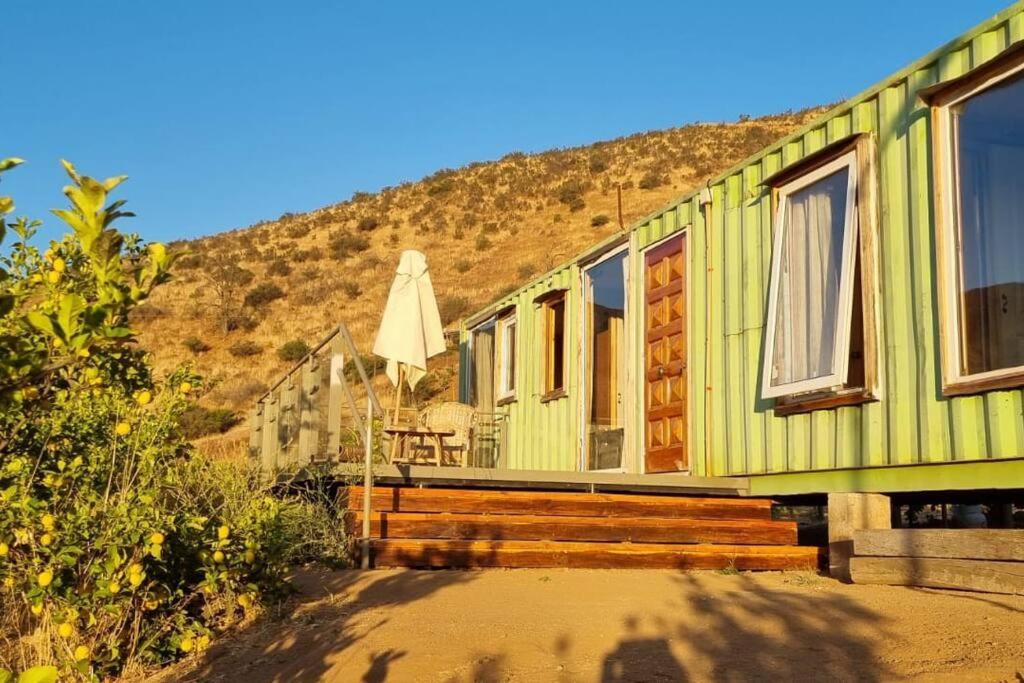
[(599, 220), (368, 224), (482, 243), (119, 546), (262, 294), (452, 308), (296, 230), (244, 349), (651, 180), (279, 268), (195, 345), (196, 421), (343, 244), (293, 351), (463, 265), (351, 289)]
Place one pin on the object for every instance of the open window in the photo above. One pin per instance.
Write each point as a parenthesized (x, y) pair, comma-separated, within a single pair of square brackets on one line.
[(819, 338), (507, 328), (552, 310), (979, 162)]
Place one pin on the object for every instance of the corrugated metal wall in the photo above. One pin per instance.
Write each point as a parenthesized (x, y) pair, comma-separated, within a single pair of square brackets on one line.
[(539, 435), (732, 431)]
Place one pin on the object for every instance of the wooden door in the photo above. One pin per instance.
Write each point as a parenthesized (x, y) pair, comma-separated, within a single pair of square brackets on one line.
[(665, 357)]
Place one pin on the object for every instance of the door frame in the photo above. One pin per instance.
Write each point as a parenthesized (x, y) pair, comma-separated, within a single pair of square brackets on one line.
[(627, 461), (471, 357), (641, 356)]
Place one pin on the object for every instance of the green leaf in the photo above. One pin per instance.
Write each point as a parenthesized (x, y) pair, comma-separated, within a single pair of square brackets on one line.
[(110, 183), (67, 315), (6, 676), (40, 322), (6, 205), (39, 674), (70, 169)]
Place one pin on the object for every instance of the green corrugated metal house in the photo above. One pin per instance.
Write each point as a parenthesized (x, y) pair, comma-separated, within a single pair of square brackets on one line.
[(843, 311)]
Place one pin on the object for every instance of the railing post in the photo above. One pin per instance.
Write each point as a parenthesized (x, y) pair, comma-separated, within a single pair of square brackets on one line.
[(367, 483)]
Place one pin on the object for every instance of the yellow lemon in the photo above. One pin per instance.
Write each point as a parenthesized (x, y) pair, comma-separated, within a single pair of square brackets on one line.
[(150, 605), (203, 642), (244, 601), (184, 387), (8, 582), (59, 265), (45, 578), (46, 540), (135, 579), (57, 342), (4, 549), (218, 557), (187, 644), (49, 254), (223, 532), (48, 522), (135, 568), (250, 557), (53, 277), (37, 608), (82, 653), (114, 587), (92, 373), (123, 429), (143, 398), (156, 538), (65, 630), (156, 550)]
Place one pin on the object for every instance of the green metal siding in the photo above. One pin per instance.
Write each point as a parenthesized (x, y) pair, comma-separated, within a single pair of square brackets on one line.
[(887, 443), (912, 423), (539, 435)]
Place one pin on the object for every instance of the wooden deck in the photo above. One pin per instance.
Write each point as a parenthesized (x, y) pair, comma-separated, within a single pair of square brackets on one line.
[(486, 527), (482, 477)]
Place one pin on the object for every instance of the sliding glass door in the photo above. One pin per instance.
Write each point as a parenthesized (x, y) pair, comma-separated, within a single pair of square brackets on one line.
[(604, 287)]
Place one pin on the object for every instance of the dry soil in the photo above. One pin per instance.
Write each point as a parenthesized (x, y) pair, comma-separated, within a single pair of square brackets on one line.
[(578, 625)]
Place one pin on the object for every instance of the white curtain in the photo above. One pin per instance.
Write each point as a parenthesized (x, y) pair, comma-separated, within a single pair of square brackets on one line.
[(811, 269)]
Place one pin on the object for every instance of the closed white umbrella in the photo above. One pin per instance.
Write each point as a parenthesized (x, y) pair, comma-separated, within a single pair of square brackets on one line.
[(410, 331)]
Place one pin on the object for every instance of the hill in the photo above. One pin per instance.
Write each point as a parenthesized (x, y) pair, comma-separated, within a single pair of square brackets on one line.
[(239, 296)]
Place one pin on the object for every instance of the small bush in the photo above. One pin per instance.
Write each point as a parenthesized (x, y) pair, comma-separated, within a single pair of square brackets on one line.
[(526, 271), (293, 351), (263, 294), (243, 349), (279, 268), (195, 345), (196, 421), (652, 180), (463, 265), (189, 261), (482, 242), (296, 230), (452, 308), (598, 164), (599, 220), (351, 289), (343, 244), (368, 224)]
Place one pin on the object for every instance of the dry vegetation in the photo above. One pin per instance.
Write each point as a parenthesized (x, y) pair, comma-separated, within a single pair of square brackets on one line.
[(485, 228)]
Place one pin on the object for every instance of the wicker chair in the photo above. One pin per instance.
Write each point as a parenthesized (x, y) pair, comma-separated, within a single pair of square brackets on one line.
[(450, 417)]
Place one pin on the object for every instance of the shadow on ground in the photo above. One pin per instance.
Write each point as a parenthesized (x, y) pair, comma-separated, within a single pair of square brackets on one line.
[(306, 638)]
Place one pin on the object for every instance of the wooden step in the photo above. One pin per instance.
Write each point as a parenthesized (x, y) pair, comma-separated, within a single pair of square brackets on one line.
[(564, 528), (560, 503), (537, 554)]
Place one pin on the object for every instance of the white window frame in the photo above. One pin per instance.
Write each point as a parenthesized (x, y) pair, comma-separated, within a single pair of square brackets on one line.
[(506, 349), (841, 352), (949, 252)]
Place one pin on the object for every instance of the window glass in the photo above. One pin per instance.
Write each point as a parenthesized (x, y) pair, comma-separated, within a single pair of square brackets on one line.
[(809, 280), (989, 132), (556, 345)]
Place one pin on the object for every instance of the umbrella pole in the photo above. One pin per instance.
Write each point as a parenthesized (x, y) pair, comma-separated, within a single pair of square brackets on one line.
[(398, 405)]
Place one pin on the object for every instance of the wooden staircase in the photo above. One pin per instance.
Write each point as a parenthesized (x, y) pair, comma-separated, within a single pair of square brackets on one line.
[(466, 528)]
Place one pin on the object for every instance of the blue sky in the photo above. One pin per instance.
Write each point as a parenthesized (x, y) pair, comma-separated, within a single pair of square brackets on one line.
[(225, 113)]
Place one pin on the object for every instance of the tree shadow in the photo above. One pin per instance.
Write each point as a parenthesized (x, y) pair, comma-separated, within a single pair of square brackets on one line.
[(760, 632), (302, 640), (638, 658)]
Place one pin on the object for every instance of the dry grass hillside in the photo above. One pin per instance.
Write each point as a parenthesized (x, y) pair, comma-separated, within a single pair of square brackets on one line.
[(486, 228)]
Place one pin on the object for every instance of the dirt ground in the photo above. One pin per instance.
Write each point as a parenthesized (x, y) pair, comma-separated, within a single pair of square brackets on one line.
[(605, 625)]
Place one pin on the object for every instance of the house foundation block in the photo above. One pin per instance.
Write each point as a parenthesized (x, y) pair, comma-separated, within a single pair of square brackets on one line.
[(848, 512)]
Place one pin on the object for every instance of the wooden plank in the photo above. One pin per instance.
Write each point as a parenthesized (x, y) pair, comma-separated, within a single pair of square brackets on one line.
[(560, 503), (523, 554), (967, 544), (973, 575), (566, 528)]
